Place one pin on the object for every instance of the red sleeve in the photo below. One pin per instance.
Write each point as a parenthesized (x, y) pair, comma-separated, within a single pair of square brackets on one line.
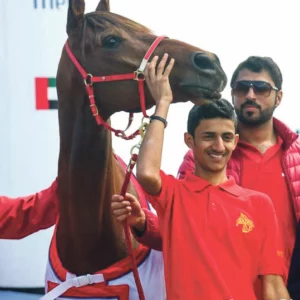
[(188, 165), (23, 216), (165, 197), (151, 237), (272, 255)]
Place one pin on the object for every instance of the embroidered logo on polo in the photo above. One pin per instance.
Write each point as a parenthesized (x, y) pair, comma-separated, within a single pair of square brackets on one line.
[(280, 253), (245, 222)]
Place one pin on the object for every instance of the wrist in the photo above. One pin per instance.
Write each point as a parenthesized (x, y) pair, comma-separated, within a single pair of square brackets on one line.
[(158, 118), (140, 225)]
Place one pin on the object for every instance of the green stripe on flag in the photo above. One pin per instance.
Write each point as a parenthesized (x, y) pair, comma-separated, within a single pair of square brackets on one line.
[(51, 82)]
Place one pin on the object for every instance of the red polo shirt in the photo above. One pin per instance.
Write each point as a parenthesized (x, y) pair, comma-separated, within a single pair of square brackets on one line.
[(216, 239), (264, 173)]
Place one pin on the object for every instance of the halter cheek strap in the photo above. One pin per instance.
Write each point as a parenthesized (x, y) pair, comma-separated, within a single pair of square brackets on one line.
[(137, 75)]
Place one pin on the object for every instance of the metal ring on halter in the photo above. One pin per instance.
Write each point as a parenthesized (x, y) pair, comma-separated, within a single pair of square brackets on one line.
[(137, 146), (90, 78), (143, 128), (139, 75)]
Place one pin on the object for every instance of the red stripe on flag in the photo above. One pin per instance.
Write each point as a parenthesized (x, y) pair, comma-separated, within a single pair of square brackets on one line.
[(41, 93)]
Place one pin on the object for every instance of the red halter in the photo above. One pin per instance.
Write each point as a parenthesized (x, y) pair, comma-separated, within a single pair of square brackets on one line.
[(138, 75)]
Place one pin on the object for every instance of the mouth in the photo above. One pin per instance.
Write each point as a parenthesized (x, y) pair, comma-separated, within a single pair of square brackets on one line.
[(197, 92), (250, 107), (216, 156)]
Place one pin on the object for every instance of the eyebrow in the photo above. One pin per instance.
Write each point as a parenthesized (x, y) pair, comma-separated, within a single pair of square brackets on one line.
[(214, 133)]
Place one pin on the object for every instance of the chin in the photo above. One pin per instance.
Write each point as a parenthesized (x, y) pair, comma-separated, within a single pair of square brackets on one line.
[(216, 169)]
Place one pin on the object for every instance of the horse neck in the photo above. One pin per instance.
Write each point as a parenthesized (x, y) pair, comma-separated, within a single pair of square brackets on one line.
[(88, 237)]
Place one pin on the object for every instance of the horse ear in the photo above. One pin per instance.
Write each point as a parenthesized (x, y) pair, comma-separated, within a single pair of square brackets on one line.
[(103, 6), (75, 15)]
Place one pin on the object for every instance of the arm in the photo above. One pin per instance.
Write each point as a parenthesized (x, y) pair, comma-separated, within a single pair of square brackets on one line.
[(274, 288), (149, 161), (23, 216)]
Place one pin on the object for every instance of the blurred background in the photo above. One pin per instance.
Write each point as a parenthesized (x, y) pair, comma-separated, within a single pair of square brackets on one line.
[(32, 34)]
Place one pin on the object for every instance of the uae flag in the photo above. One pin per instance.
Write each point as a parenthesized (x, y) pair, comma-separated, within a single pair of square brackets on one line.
[(45, 93)]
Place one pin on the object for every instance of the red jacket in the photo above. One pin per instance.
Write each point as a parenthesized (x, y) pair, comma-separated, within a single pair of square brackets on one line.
[(22, 216)]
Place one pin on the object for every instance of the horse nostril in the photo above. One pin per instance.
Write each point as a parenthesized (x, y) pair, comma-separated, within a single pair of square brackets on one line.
[(203, 61)]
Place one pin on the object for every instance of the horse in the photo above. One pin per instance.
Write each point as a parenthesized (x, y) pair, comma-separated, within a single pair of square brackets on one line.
[(87, 237)]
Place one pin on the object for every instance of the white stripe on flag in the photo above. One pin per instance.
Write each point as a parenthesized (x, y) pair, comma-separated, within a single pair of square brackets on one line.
[(52, 93)]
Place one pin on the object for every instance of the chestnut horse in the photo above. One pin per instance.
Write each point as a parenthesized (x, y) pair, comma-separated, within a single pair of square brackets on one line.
[(88, 239)]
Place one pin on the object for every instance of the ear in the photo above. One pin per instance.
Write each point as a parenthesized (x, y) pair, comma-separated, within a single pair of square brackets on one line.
[(236, 139), (189, 140), (103, 6), (278, 98), (75, 15)]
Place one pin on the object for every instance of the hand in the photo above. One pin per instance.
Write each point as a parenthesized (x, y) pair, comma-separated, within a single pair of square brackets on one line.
[(158, 79), (130, 209)]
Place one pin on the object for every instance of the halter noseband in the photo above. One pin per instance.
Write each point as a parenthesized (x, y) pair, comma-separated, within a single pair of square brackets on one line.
[(137, 75)]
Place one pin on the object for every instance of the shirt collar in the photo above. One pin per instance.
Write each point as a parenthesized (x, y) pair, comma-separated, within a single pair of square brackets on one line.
[(246, 145), (198, 184)]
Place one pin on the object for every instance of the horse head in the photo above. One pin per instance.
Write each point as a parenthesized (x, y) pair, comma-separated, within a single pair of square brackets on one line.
[(109, 44)]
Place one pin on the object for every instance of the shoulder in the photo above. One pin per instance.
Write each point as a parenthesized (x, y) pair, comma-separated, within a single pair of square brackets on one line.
[(168, 179), (295, 146)]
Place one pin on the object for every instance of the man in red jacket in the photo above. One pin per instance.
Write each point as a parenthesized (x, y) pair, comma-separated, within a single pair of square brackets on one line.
[(266, 159)]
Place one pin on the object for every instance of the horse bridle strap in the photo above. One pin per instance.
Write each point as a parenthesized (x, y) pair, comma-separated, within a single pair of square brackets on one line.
[(137, 75)]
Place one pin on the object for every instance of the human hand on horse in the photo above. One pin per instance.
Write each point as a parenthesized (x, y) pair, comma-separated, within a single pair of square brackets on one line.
[(157, 79), (128, 208)]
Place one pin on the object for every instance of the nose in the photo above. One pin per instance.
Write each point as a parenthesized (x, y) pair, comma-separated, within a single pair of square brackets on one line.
[(203, 61), (250, 94), (218, 144)]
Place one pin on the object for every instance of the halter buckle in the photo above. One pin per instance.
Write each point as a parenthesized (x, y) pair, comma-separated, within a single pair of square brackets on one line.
[(94, 110), (139, 75), (88, 80)]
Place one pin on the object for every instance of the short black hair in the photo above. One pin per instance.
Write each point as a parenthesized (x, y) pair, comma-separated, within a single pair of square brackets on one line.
[(220, 108), (257, 64)]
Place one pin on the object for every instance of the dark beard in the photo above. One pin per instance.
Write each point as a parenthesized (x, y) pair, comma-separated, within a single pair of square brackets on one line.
[(245, 118)]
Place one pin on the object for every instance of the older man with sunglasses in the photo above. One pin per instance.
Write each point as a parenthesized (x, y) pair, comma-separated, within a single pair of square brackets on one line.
[(266, 159)]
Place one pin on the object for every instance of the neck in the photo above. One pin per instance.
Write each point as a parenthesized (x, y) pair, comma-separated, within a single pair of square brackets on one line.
[(88, 237), (257, 135), (215, 178)]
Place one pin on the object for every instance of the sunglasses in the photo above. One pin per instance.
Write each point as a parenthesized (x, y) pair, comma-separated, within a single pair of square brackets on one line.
[(260, 88)]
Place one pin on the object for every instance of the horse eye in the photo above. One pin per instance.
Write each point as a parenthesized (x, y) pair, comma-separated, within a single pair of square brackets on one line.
[(111, 41)]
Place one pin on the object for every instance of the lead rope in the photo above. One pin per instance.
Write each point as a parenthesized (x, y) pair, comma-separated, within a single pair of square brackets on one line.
[(126, 228)]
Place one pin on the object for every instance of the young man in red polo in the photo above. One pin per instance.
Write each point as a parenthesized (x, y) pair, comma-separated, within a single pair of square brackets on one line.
[(217, 237)]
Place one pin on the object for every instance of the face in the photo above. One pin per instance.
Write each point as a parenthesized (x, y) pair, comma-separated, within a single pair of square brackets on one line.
[(252, 105), (214, 141)]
